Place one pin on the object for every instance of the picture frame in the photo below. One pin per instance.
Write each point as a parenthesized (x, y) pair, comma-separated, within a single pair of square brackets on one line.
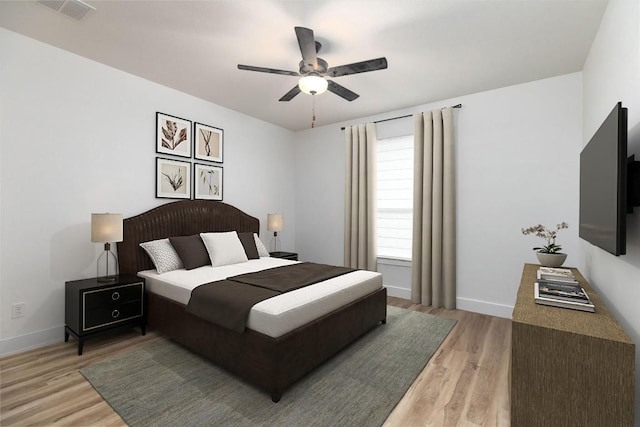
[(173, 179), (173, 135), (207, 182), (208, 142)]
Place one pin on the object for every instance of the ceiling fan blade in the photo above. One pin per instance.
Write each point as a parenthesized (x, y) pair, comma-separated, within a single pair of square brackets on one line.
[(341, 91), (307, 44), (289, 95), (267, 70), (358, 67)]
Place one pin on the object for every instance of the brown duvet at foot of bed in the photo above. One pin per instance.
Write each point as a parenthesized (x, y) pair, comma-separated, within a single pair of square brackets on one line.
[(227, 303)]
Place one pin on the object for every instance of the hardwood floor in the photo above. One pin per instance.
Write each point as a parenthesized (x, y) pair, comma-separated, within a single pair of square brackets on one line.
[(464, 384)]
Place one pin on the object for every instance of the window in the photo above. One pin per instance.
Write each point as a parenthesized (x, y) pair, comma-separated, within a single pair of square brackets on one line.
[(395, 197)]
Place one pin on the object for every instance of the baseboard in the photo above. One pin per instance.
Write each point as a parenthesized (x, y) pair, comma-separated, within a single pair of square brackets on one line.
[(30, 341), (476, 306), (484, 307), (396, 291)]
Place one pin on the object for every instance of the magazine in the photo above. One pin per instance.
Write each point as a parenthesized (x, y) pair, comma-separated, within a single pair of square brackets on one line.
[(562, 295), (562, 275), (565, 272), (554, 290)]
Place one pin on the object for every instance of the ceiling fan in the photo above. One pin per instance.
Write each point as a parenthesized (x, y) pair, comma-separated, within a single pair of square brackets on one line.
[(314, 70)]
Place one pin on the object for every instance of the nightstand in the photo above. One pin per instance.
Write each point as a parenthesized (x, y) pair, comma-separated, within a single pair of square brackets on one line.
[(92, 307), (286, 255)]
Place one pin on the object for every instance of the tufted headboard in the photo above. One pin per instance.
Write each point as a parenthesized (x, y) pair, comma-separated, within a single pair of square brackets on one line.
[(182, 218)]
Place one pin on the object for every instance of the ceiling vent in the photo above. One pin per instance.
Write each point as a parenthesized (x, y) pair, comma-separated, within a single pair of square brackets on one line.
[(75, 9)]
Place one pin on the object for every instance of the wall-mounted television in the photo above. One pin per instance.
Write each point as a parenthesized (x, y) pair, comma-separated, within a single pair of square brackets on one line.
[(604, 197)]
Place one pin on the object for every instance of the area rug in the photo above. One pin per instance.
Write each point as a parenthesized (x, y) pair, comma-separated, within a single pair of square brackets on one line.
[(164, 384)]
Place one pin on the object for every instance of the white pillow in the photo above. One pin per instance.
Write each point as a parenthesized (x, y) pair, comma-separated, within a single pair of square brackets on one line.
[(164, 257), (224, 248), (262, 251)]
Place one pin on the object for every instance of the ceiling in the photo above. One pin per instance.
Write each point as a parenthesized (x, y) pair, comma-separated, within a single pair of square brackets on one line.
[(435, 49)]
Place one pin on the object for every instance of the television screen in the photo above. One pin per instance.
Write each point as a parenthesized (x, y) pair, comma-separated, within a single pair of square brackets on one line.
[(603, 187)]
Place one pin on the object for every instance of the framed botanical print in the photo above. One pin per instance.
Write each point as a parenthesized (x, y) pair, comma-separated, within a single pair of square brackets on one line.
[(173, 135), (208, 143), (172, 179), (207, 182)]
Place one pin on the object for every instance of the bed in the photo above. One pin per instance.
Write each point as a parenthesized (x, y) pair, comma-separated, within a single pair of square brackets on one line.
[(272, 363)]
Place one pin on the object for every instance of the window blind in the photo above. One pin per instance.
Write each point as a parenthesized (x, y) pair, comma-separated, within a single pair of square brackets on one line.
[(395, 197)]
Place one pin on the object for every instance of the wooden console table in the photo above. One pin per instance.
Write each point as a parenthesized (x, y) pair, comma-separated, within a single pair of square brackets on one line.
[(569, 367)]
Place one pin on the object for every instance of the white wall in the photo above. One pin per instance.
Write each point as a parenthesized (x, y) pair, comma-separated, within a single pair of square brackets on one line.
[(517, 165), (612, 74), (78, 137)]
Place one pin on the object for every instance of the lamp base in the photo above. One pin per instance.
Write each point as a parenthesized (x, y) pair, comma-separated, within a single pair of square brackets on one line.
[(273, 245), (104, 275)]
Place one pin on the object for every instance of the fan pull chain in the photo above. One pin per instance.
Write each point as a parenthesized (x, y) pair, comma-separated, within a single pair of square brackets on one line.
[(313, 111)]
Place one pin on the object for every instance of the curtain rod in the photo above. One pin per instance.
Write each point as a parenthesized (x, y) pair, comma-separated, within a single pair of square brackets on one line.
[(402, 117)]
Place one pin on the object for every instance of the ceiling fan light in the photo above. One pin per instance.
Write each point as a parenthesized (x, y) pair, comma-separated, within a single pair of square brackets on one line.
[(313, 85)]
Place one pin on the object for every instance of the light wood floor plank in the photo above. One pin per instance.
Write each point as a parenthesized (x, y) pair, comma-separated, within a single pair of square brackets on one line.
[(464, 384)]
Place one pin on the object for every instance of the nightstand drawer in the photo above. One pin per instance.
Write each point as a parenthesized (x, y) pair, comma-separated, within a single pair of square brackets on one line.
[(111, 314), (116, 294)]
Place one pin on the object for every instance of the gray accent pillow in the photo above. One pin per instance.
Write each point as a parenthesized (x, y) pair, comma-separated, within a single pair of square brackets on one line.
[(262, 251), (164, 257), (191, 251)]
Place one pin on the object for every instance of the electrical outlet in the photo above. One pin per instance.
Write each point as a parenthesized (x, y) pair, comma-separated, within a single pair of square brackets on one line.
[(17, 310)]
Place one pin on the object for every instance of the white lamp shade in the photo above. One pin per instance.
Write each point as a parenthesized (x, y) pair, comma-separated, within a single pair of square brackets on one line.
[(313, 85), (275, 222), (106, 227)]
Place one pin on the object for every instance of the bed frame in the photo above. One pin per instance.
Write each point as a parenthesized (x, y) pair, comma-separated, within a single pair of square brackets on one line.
[(272, 364)]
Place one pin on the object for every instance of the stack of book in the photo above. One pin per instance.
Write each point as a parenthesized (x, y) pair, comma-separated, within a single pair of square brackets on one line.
[(558, 287)]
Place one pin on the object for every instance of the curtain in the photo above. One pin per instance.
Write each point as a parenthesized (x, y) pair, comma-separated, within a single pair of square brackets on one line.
[(360, 197), (433, 279)]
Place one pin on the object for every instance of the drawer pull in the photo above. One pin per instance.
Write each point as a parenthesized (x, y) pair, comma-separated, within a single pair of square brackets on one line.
[(115, 314), (115, 296)]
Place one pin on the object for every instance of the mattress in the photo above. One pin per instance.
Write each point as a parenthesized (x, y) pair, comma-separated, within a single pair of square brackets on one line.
[(278, 315)]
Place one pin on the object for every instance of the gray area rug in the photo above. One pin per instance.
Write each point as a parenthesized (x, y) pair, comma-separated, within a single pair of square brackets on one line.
[(164, 384)]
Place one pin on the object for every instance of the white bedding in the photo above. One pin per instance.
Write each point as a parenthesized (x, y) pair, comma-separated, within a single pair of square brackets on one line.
[(278, 315)]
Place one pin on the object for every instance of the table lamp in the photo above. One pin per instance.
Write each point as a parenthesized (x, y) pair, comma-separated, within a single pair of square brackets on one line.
[(275, 223), (106, 228)]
